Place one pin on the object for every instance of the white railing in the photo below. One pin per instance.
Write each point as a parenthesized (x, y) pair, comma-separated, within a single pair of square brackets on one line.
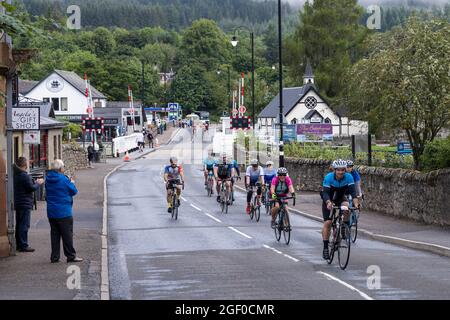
[(125, 143)]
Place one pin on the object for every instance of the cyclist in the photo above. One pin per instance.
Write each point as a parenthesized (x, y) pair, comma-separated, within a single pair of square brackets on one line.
[(173, 173), (253, 175), (269, 173), (356, 177), (336, 185), (280, 186), (208, 167), (237, 175), (223, 171)]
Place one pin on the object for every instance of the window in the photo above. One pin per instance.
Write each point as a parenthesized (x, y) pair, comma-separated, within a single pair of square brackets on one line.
[(55, 102), (64, 104), (327, 120), (316, 119), (311, 102), (294, 121)]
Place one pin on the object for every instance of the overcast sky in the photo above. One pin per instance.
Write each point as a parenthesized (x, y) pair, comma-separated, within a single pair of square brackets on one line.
[(368, 2)]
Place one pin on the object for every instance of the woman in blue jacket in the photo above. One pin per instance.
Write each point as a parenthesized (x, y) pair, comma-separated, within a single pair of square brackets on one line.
[(60, 190)]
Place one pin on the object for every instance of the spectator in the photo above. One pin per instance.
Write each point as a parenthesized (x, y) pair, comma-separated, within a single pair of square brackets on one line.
[(24, 189), (60, 192), (150, 139), (140, 141), (90, 150)]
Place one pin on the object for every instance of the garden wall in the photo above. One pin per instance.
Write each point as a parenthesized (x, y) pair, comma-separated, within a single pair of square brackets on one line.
[(397, 192)]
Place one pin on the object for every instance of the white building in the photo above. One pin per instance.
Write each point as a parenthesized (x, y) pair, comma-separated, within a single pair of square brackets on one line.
[(67, 92), (305, 105)]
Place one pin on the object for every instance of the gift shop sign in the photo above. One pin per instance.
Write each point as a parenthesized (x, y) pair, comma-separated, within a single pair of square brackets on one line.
[(26, 118)]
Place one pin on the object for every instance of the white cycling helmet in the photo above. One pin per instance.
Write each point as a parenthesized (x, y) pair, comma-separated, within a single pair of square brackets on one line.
[(253, 162), (269, 163), (350, 163), (339, 164)]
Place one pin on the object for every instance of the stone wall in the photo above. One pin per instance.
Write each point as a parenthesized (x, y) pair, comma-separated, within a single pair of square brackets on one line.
[(74, 157), (397, 192)]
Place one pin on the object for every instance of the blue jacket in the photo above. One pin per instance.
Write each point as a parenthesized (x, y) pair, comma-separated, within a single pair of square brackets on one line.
[(59, 195)]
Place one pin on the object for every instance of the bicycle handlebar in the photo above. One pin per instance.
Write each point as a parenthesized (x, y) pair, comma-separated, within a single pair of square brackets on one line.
[(284, 198)]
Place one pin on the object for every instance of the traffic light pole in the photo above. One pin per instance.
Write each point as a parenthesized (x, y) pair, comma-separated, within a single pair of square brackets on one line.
[(280, 75)]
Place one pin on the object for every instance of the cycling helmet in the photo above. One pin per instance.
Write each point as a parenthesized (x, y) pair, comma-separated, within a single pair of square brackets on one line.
[(350, 163), (339, 164), (269, 163), (282, 171), (173, 160), (254, 162)]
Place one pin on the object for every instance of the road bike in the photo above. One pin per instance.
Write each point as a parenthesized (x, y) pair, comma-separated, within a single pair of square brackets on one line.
[(255, 206), (175, 202), (210, 183), (340, 236), (266, 199), (282, 223), (224, 196), (353, 222)]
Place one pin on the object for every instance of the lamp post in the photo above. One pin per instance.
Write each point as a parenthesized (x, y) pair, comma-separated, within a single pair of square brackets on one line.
[(280, 78), (219, 71), (234, 43)]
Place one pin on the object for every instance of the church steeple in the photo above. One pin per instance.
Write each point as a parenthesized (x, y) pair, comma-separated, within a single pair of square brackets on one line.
[(308, 77)]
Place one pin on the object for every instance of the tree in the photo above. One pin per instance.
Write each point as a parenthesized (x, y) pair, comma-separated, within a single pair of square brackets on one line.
[(104, 42), (189, 88), (404, 83), (330, 36)]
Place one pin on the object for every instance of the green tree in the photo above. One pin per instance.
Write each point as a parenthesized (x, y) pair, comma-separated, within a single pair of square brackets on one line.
[(104, 42), (404, 83)]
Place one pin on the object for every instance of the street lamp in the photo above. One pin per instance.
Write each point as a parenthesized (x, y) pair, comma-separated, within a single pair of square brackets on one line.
[(280, 78), (234, 43), (219, 71)]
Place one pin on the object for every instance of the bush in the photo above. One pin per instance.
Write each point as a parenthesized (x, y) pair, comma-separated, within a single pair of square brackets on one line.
[(436, 155), (74, 129)]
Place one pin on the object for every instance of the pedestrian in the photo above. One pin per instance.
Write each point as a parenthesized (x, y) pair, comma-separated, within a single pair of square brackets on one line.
[(90, 151), (24, 189), (60, 191), (140, 141), (150, 139)]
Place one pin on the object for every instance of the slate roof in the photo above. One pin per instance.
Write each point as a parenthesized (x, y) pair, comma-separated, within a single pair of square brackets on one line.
[(113, 109), (25, 86), (78, 83), (49, 123), (308, 71), (291, 96)]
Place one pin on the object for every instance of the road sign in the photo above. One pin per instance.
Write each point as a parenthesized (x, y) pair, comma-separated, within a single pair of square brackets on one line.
[(94, 124), (242, 109), (240, 123), (26, 118), (89, 110), (235, 112), (404, 148), (173, 106)]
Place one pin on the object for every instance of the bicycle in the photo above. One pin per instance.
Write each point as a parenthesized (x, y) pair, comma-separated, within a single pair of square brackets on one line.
[(224, 197), (282, 223), (341, 239), (175, 203), (255, 208), (266, 199), (353, 223), (210, 183)]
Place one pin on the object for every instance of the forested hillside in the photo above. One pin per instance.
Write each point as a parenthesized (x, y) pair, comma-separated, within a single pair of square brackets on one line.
[(169, 14)]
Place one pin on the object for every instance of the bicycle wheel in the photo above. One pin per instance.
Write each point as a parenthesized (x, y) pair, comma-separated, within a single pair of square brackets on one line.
[(227, 199), (257, 213), (174, 205), (222, 202), (354, 227), (344, 246), (278, 226), (286, 228), (331, 245)]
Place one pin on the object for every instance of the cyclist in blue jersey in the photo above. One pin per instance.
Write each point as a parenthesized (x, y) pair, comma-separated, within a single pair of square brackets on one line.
[(336, 185), (356, 176), (254, 177), (237, 175), (208, 166), (269, 173)]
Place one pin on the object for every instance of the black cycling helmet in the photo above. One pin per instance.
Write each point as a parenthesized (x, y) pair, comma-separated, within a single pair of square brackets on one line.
[(282, 171)]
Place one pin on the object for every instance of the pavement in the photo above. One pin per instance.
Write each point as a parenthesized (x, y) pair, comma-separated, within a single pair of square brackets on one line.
[(206, 254), (32, 276)]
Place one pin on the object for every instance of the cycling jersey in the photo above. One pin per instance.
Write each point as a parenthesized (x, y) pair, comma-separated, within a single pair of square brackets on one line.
[(335, 190), (254, 174), (236, 167), (173, 173), (269, 175), (209, 163), (355, 175), (282, 188), (224, 170)]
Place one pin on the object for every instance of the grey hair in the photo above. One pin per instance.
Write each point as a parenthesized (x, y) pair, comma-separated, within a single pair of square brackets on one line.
[(57, 165)]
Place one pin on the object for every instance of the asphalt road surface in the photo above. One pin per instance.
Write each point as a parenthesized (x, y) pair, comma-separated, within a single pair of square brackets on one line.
[(209, 255)]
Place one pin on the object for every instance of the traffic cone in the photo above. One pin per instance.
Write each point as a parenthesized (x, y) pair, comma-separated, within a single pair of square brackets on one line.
[(126, 158)]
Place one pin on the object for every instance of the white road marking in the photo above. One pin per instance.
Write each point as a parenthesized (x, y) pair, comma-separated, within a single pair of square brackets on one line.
[(289, 257), (279, 252), (214, 218), (182, 198), (273, 249), (330, 277), (197, 208), (241, 233)]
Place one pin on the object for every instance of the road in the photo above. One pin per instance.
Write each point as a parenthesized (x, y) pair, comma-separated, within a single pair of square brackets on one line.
[(209, 255)]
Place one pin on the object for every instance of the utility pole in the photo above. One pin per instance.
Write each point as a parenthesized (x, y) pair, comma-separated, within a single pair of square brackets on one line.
[(10, 181), (280, 75), (142, 93)]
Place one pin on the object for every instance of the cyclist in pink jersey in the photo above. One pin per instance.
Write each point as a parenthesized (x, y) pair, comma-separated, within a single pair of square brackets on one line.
[(281, 186)]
